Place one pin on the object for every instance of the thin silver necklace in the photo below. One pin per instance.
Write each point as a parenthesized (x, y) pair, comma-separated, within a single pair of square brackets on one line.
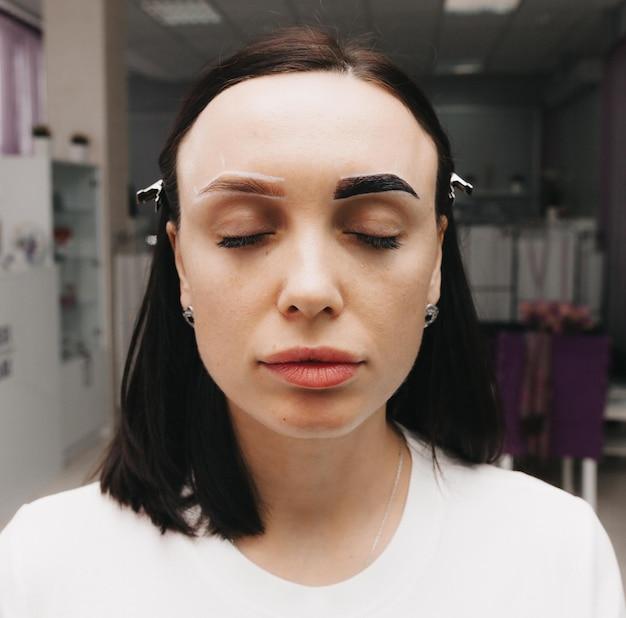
[(393, 493), (387, 509)]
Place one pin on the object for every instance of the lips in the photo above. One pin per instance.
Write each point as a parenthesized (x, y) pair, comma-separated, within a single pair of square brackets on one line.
[(320, 367), (314, 375), (322, 354)]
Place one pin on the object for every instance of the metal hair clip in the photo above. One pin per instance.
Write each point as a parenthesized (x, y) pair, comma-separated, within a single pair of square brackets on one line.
[(153, 192), (457, 181)]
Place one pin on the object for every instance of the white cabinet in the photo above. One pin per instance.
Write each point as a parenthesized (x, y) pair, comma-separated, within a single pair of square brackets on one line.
[(56, 397), (31, 441)]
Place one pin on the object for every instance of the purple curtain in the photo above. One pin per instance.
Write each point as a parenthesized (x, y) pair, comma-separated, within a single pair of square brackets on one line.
[(21, 86)]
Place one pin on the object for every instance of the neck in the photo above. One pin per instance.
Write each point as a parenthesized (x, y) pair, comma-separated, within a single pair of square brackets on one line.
[(323, 487)]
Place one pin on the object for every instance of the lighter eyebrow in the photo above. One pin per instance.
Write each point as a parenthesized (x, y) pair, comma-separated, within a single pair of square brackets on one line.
[(248, 182), (269, 186)]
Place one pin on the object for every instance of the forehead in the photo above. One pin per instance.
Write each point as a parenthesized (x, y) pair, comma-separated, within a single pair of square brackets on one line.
[(319, 123)]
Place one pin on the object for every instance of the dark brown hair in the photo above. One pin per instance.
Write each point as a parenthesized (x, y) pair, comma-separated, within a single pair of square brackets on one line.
[(173, 446)]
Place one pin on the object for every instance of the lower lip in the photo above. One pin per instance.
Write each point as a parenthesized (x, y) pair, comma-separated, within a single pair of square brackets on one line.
[(314, 374)]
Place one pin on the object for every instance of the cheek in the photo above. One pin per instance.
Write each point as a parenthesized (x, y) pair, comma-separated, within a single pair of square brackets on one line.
[(226, 314), (400, 292), (396, 324)]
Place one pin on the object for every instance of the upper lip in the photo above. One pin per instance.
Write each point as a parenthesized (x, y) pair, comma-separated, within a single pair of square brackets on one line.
[(322, 354)]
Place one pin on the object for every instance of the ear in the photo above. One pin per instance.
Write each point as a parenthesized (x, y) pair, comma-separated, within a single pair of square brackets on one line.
[(185, 291), (434, 290)]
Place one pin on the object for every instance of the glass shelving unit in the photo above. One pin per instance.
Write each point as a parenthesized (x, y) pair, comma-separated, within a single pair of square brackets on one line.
[(76, 251)]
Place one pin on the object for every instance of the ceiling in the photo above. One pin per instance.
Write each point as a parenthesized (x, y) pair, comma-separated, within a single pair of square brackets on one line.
[(536, 38)]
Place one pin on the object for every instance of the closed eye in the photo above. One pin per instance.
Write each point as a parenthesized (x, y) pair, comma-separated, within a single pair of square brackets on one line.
[(377, 242), (234, 242)]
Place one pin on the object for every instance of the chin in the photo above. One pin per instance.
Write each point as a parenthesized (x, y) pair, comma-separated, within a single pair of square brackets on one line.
[(314, 425)]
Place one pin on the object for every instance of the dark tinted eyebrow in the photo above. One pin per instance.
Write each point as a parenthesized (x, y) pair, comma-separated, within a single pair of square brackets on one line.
[(376, 183), (346, 187)]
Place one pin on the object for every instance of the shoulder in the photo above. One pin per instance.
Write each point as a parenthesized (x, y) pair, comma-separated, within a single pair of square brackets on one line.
[(554, 537), (551, 540), (484, 499), (49, 532), (484, 487), (77, 539), (53, 510), (39, 540), (71, 509)]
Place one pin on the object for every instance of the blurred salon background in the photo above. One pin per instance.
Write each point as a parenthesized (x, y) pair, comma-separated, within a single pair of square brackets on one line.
[(533, 96)]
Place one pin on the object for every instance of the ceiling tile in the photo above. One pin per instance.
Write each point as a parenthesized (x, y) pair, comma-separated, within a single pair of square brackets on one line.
[(531, 43), (349, 16), (408, 31), (469, 37), (416, 34)]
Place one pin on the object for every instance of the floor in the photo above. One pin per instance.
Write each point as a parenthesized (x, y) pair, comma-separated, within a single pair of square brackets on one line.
[(611, 489)]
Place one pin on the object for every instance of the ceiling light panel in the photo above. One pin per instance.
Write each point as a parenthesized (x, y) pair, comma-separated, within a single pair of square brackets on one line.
[(181, 12), (481, 6), (466, 68)]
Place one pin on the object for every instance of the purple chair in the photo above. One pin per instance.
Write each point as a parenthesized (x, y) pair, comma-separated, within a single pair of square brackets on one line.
[(579, 367), (510, 354), (580, 381), (580, 377)]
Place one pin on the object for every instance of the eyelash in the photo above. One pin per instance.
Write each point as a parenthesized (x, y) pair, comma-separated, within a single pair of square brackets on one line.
[(376, 242)]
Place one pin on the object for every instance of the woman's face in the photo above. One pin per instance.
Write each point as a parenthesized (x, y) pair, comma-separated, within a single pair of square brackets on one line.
[(311, 281)]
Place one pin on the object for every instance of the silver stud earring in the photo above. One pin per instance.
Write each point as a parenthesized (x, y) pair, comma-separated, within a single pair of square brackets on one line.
[(188, 315), (431, 314)]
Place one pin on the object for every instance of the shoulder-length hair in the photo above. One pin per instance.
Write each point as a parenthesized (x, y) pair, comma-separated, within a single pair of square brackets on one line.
[(174, 449)]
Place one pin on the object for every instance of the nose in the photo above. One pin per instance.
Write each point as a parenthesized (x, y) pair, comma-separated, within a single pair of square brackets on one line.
[(312, 280)]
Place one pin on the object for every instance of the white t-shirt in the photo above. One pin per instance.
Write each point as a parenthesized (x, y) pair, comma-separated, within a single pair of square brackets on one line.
[(482, 541)]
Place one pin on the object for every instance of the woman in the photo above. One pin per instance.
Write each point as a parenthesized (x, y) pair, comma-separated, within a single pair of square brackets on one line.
[(293, 441)]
